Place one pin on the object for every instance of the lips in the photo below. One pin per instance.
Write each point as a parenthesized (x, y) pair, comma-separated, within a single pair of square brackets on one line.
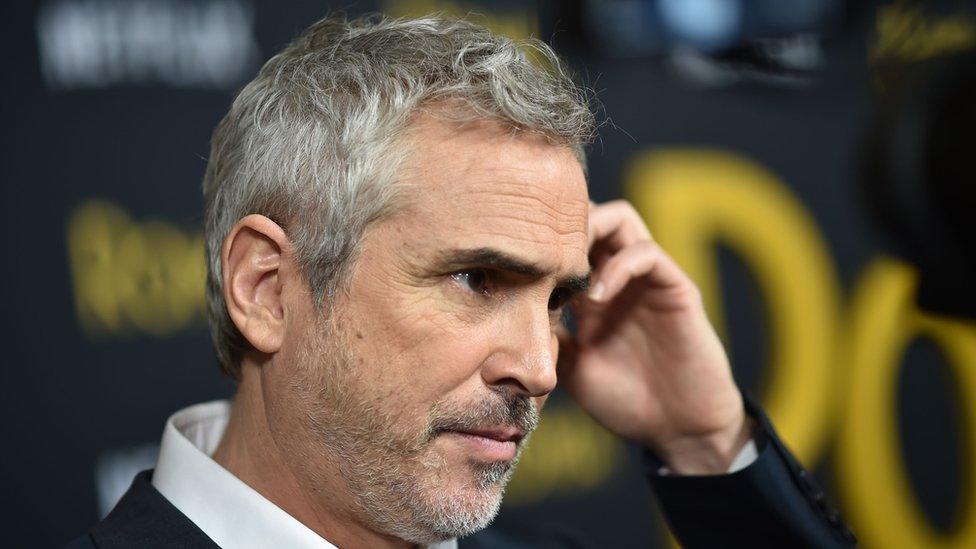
[(500, 434), (490, 443)]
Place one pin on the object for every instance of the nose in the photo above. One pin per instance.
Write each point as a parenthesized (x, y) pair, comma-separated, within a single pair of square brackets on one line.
[(525, 353)]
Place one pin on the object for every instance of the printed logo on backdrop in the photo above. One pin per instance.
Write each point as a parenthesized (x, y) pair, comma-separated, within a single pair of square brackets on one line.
[(202, 44)]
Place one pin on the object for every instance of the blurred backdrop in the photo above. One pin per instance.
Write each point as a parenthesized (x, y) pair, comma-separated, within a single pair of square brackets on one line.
[(776, 148)]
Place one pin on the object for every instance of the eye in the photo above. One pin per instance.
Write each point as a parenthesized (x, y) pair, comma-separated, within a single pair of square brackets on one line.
[(474, 280), (559, 298)]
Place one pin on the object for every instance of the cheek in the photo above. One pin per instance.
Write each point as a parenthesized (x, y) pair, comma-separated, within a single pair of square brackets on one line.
[(422, 346), (412, 333)]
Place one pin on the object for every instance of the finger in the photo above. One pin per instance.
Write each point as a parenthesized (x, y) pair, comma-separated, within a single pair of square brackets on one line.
[(641, 259), (617, 223)]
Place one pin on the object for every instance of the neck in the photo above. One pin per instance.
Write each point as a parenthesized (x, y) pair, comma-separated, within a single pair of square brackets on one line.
[(250, 450)]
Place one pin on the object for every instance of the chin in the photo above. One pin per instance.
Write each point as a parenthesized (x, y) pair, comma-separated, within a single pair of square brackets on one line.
[(460, 504), (449, 492), (462, 511)]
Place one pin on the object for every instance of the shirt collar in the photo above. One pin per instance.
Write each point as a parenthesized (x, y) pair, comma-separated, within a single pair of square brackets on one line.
[(229, 511)]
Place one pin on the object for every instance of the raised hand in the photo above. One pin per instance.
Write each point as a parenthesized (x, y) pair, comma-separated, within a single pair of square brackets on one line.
[(645, 361)]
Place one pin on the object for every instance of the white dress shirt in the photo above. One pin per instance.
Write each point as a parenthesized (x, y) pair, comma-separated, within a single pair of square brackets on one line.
[(230, 512), (745, 457)]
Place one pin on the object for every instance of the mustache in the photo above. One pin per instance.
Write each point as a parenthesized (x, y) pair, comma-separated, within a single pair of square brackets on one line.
[(498, 409)]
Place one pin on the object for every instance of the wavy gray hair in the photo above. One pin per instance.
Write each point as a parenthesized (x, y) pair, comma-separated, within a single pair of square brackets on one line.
[(311, 141)]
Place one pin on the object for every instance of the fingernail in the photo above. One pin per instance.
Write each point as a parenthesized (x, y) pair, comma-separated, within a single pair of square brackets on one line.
[(596, 291)]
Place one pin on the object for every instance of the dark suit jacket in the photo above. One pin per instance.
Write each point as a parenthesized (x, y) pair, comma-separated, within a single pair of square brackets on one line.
[(772, 503)]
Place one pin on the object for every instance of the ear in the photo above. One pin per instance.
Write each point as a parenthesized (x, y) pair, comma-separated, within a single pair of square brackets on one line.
[(252, 259)]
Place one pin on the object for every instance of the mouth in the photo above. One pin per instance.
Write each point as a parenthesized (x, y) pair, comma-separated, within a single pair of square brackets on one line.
[(499, 443)]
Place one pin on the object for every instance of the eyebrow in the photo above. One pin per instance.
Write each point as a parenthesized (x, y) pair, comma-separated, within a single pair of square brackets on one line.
[(499, 260)]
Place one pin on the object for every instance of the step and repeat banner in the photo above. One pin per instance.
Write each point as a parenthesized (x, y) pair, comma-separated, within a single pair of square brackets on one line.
[(738, 129)]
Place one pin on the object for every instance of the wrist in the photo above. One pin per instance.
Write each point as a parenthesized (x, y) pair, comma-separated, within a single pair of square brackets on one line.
[(710, 454)]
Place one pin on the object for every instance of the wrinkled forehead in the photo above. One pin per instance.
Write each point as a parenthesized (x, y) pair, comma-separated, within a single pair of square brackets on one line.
[(481, 184)]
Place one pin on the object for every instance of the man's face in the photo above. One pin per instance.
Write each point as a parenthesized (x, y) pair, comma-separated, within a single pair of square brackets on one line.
[(428, 376)]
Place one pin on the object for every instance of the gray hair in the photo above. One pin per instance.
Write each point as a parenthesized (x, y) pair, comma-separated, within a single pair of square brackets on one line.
[(311, 141)]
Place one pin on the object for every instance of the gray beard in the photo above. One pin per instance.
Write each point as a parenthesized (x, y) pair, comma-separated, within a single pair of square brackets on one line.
[(398, 488)]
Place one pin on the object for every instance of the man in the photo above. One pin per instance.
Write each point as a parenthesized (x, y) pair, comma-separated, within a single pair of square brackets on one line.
[(397, 218)]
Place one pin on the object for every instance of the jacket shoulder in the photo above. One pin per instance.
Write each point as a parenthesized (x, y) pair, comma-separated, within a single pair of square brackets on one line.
[(144, 518), (495, 538), (81, 542)]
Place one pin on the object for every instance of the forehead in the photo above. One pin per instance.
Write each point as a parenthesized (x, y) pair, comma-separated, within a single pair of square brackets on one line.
[(480, 184)]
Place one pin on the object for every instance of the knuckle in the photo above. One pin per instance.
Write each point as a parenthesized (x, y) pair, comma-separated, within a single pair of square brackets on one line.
[(628, 211), (647, 246), (624, 207)]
